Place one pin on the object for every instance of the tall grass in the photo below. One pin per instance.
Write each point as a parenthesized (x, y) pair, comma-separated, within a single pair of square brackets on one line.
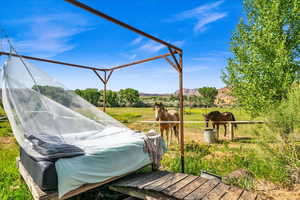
[(11, 185)]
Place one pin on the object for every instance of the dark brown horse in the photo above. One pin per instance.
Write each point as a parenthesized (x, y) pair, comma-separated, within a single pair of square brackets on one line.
[(217, 118)]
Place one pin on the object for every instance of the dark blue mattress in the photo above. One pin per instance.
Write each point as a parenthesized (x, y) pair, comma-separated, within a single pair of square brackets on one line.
[(43, 172)]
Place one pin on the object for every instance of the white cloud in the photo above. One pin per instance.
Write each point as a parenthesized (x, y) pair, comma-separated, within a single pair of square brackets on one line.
[(212, 17), (151, 47), (49, 35), (137, 40), (129, 56), (179, 43), (203, 15)]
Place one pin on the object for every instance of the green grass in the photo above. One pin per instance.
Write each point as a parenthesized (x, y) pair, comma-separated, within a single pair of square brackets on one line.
[(5, 129), (220, 159), (11, 186)]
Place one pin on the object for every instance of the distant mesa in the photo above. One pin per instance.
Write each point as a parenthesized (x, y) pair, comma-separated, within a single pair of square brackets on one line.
[(224, 97), (189, 92), (153, 94)]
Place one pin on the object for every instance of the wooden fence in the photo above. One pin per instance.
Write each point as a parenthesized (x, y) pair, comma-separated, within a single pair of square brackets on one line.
[(229, 123)]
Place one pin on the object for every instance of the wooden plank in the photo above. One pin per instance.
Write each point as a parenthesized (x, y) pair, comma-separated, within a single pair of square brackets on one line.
[(140, 193), (204, 189), (246, 195), (234, 193), (140, 179), (217, 192), (180, 184), (192, 186), (174, 179), (159, 182), (150, 181)]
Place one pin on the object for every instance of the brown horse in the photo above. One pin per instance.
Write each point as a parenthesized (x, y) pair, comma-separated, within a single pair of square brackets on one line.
[(217, 118), (162, 114)]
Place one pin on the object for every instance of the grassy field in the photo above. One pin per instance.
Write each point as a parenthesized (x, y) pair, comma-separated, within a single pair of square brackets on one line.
[(221, 158)]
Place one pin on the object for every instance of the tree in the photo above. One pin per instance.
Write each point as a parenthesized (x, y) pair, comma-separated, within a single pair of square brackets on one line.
[(129, 97), (266, 51), (92, 95), (208, 95), (57, 94), (112, 98)]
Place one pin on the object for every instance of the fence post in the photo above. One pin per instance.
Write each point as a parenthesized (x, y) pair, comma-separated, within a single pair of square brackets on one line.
[(231, 131)]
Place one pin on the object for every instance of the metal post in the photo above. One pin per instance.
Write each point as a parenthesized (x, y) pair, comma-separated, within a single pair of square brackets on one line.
[(104, 92), (181, 125)]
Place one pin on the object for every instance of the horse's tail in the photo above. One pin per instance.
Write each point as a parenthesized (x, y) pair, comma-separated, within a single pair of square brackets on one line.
[(233, 119)]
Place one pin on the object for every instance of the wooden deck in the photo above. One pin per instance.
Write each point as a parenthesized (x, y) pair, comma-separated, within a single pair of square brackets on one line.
[(158, 185), (166, 185)]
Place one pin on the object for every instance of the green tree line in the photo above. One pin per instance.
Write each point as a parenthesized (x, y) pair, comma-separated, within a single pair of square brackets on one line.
[(127, 97), (130, 98), (124, 97)]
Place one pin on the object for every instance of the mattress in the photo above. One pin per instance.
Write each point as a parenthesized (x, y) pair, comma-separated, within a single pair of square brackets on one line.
[(43, 172), (113, 155), (117, 154)]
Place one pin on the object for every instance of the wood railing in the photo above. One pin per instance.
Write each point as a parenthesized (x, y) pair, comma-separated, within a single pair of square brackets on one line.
[(230, 124)]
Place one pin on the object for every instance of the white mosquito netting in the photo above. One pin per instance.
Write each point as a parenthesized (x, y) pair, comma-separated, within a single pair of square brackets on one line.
[(48, 120)]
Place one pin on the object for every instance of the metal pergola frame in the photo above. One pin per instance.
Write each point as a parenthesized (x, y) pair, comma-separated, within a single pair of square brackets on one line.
[(175, 61)]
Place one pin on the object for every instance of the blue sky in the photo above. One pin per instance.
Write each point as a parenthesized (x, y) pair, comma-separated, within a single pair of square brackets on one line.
[(58, 30)]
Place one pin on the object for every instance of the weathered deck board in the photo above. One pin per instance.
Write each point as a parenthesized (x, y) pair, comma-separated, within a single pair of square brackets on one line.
[(137, 180), (159, 182), (217, 192), (189, 188), (179, 186), (174, 179), (152, 180), (234, 193), (204, 189)]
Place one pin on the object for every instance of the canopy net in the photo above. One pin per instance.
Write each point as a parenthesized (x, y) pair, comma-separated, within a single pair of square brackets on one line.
[(50, 121)]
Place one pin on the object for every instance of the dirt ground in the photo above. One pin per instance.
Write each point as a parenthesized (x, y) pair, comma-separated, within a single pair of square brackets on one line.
[(274, 193)]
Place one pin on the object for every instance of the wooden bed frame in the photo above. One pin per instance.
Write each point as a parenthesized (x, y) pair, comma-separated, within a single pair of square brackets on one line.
[(39, 194)]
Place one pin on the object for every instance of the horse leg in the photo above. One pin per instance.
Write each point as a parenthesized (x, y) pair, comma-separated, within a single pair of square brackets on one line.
[(225, 128), (167, 134), (171, 132), (162, 132)]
